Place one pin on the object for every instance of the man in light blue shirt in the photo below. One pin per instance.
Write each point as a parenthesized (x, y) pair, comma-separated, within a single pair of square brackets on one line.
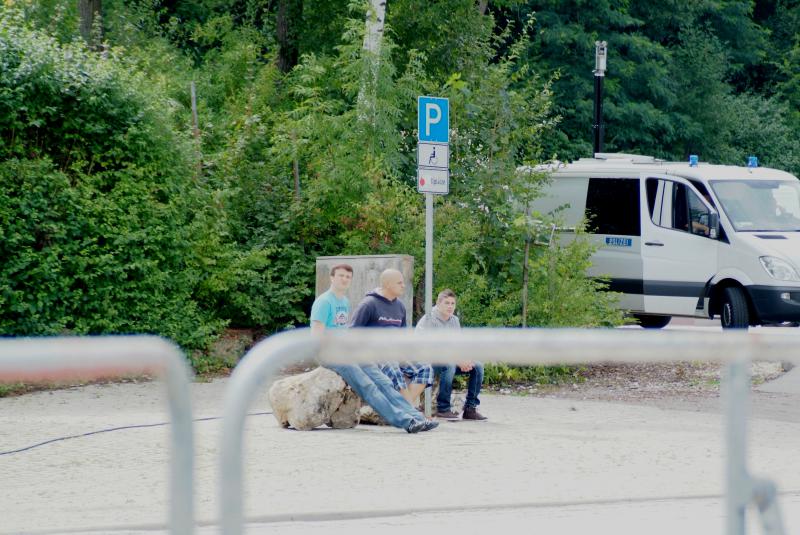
[(331, 310)]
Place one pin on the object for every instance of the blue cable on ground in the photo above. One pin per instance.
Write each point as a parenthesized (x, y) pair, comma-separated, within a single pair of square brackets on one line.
[(137, 426)]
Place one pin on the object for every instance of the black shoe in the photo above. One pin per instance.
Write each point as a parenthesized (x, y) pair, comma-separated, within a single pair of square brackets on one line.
[(418, 426), (447, 415), (471, 413)]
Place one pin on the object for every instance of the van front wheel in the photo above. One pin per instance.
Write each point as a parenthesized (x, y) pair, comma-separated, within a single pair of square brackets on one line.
[(734, 314), (652, 322)]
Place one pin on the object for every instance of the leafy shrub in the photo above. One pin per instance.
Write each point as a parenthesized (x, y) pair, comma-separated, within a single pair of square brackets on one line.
[(117, 222), (503, 374), (98, 209)]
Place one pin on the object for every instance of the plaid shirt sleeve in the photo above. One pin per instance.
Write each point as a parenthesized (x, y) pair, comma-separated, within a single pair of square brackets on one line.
[(393, 372), (418, 372)]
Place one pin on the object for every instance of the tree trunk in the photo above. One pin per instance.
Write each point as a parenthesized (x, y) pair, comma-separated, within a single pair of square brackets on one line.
[(287, 19), (375, 19), (90, 13), (376, 15), (482, 5)]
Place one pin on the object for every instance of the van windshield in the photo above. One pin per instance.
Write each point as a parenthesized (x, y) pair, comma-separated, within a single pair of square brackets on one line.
[(760, 205)]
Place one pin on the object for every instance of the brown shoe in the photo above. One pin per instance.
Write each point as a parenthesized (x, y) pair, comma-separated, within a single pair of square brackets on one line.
[(447, 415), (471, 413)]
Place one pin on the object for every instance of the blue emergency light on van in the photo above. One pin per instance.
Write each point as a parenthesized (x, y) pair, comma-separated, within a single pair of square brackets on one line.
[(693, 159), (752, 161)]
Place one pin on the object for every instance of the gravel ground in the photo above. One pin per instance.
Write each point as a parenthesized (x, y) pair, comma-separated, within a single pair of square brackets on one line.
[(691, 386), (625, 438), (535, 460)]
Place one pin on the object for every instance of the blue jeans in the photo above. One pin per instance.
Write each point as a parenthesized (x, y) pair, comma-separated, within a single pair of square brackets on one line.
[(376, 389), (446, 375)]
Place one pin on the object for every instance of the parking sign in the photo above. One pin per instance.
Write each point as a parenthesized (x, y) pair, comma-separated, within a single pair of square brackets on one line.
[(433, 119)]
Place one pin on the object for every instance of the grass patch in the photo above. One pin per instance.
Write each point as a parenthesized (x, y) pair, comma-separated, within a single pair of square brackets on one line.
[(14, 389), (496, 374)]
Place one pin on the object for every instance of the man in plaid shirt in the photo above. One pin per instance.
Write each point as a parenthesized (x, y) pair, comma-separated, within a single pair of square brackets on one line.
[(383, 308)]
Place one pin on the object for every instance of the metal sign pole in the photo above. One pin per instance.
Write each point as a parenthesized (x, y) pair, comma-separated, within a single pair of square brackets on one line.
[(433, 177), (428, 275), (428, 252)]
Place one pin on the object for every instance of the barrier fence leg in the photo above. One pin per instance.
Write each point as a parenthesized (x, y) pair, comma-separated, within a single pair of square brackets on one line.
[(742, 488), (765, 495), (738, 485), (428, 394), (103, 356), (261, 363)]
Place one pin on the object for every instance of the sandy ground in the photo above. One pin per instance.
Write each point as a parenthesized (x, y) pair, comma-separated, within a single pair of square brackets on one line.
[(563, 464), (632, 449)]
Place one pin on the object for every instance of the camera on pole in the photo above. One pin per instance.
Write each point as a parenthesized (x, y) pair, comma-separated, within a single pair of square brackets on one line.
[(600, 55)]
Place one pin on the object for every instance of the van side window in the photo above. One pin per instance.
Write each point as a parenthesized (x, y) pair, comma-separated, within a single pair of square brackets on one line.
[(612, 206), (699, 216), (680, 208), (699, 186), (673, 205), (655, 199)]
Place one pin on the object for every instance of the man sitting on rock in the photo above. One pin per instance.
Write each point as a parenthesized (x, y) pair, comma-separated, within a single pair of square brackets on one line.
[(331, 311), (382, 308)]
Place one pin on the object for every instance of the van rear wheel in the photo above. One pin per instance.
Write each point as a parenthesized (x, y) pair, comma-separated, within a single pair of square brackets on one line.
[(734, 314), (652, 322)]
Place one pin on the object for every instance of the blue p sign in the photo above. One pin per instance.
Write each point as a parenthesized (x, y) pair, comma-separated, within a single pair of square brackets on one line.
[(433, 119)]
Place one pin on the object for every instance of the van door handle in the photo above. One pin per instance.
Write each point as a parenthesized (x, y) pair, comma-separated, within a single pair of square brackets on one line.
[(654, 243)]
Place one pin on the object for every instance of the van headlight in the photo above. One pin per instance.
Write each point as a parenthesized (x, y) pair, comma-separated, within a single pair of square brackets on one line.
[(779, 269)]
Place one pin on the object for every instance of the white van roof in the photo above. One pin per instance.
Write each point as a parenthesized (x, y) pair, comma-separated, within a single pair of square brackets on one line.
[(608, 164)]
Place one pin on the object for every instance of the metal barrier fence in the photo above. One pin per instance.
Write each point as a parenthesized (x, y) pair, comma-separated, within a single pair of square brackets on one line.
[(87, 358), (22, 359), (514, 346)]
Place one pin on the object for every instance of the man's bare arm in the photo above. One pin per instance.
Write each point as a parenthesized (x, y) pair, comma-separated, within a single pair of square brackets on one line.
[(317, 327)]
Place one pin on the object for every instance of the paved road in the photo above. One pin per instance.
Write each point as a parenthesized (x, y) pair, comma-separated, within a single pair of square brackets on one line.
[(788, 383), (557, 465), (653, 517)]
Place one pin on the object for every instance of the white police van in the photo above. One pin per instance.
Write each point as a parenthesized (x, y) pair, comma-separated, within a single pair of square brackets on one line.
[(687, 239)]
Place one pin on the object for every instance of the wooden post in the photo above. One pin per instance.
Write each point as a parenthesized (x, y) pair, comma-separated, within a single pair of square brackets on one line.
[(88, 11), (196, 131), (525, 269)]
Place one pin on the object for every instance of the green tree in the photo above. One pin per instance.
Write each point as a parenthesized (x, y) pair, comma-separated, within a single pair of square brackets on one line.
[(97, 201), (702, 116), (670, 67)]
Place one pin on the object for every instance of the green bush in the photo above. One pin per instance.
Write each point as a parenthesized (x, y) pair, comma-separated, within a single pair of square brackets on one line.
[(98, 209), (78, 259), (116, 220)]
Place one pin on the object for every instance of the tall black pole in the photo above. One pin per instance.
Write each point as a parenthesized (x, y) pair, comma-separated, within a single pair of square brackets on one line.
[(599, 75)]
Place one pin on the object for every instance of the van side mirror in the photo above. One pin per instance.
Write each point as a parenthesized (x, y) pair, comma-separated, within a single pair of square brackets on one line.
[(713, 225)]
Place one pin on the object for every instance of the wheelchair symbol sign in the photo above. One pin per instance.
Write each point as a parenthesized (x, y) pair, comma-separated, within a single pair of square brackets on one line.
[(434, 155)]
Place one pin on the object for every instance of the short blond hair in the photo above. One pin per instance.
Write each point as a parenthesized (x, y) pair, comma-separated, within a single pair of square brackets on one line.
[(444, 294)]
